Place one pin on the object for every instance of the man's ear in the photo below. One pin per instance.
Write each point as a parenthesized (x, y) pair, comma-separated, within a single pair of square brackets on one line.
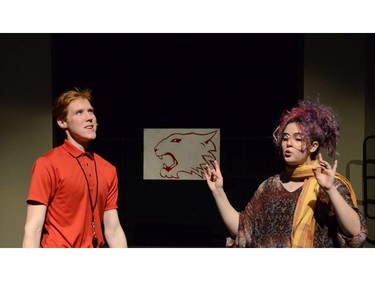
[(62, 123), (314, 146)]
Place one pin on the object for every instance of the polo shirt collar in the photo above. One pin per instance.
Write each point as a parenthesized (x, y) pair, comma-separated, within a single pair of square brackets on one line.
[(74, 151)]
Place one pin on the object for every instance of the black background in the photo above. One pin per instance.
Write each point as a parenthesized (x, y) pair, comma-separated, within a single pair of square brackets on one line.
[(239, 83)]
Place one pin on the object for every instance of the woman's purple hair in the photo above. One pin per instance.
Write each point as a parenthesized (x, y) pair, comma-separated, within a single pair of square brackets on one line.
[(317, 122)]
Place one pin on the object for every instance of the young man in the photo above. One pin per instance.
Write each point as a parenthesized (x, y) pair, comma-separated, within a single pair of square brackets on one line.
[(73, 191)]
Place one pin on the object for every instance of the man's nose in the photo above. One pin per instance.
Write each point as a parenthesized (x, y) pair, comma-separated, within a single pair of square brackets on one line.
[(89, 116)]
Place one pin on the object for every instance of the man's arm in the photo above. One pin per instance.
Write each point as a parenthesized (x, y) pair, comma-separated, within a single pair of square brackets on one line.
[(35, 217), (113, 232)]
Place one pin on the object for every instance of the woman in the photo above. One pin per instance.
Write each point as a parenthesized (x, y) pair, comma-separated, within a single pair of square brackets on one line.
[(308, 204)]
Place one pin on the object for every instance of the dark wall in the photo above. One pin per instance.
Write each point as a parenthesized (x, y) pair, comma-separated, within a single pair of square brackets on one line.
[(239, 83)]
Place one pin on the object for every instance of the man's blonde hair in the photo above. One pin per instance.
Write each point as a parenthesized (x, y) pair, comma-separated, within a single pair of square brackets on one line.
[(60, 105)]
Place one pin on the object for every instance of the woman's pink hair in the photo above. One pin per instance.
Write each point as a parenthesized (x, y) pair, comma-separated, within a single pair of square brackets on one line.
[(317, 122)]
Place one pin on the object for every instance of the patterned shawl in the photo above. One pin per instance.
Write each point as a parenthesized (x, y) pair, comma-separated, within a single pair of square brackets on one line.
[(304, 222)]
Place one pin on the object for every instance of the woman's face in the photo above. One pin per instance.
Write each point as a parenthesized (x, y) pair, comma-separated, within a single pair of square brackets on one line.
[(294, 147)]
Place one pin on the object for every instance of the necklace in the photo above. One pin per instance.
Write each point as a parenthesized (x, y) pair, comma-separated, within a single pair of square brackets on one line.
[(94, 238)]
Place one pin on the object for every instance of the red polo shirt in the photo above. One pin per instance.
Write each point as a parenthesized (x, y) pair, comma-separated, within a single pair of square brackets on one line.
[(59, 182)]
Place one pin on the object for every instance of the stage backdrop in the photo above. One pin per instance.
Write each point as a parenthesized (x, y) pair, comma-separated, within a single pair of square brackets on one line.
[(236, 85)]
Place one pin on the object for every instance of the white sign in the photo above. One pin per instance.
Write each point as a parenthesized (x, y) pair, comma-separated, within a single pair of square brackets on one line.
[(179, 154)]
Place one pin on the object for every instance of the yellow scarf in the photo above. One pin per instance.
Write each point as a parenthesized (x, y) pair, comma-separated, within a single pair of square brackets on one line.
[(304, 222)]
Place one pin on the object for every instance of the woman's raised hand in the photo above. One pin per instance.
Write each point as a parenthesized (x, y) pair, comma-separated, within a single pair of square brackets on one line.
[(325, 173), (213, 176)]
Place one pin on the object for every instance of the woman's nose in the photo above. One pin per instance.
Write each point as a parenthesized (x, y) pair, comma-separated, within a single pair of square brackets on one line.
[(289, 142)]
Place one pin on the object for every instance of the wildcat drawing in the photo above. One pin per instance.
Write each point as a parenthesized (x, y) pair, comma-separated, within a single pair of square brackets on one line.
[(185, 153)]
